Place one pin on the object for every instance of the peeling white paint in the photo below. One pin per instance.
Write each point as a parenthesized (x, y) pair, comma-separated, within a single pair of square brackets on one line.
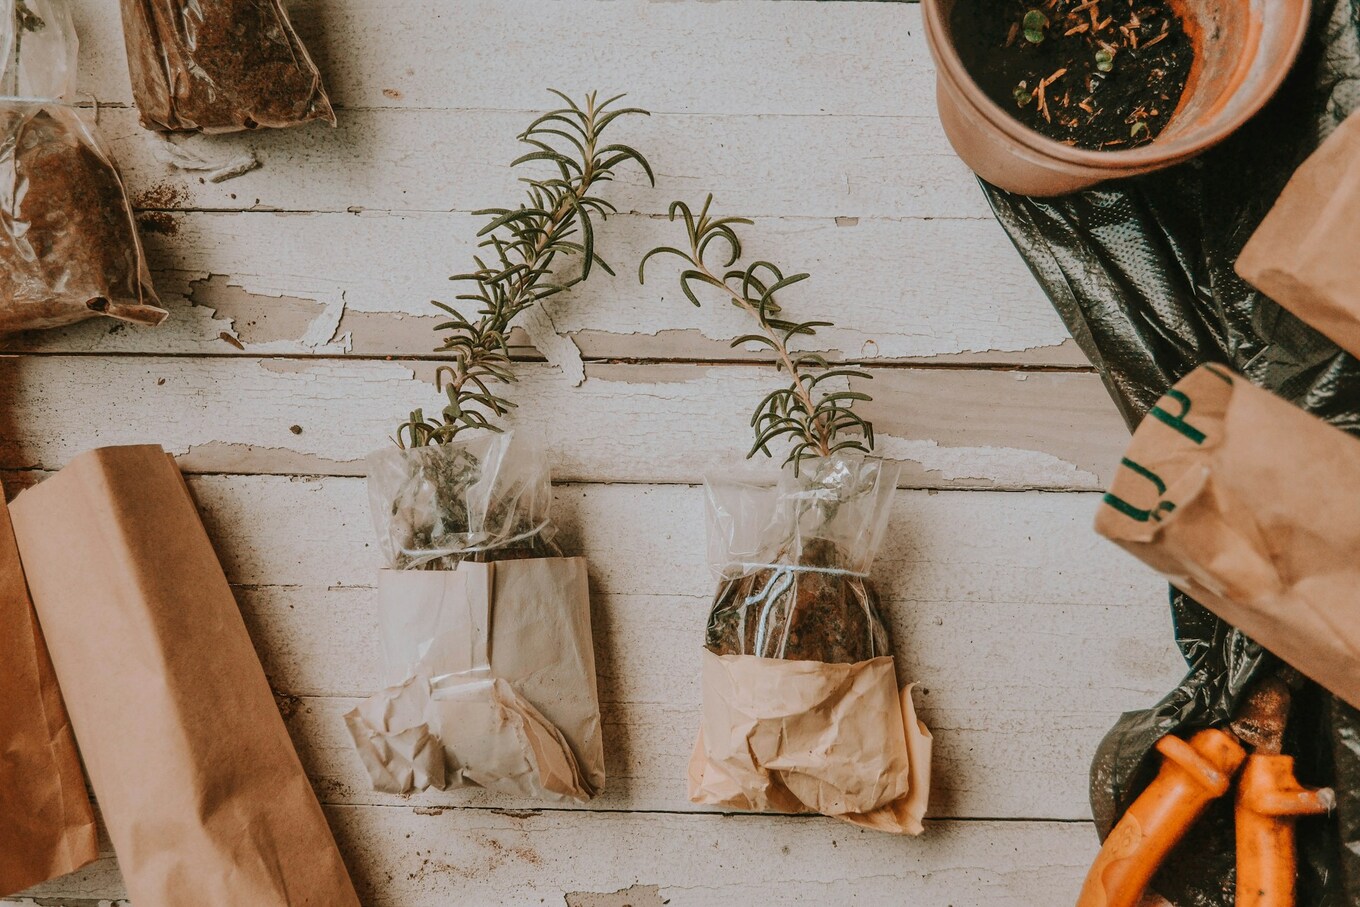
[(1002, 466), (559, 349)]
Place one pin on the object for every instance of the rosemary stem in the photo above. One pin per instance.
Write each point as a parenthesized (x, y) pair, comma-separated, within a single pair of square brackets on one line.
[(823, 439)]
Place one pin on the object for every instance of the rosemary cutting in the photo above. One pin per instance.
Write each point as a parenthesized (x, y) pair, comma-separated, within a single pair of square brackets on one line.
[(527, 246), (817, 419)]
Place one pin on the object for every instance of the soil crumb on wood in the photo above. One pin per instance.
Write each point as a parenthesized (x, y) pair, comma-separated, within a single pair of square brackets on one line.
[(1096, 74), (636, 896)]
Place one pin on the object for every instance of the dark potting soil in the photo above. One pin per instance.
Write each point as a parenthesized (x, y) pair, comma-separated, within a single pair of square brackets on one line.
[(822, 614), (1102, 74)]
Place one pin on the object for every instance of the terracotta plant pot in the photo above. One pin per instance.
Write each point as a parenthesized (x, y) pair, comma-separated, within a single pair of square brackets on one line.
[(1243, 50)]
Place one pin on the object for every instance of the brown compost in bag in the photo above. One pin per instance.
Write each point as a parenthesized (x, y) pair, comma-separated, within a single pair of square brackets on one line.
[(802, 709), (486, 630), (220, 66), (69, 248)]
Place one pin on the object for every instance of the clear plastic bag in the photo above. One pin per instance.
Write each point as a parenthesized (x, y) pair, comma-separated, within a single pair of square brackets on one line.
[(220, 66), (484, 499), (793, 561), (69, 248), (485, 628)]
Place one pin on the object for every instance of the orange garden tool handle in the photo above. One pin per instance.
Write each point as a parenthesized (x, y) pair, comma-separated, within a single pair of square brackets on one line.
[(1269, 801), (1194, 773)]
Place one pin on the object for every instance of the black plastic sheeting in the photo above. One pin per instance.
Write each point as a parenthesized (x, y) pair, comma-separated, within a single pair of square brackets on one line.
[(1141, 271)]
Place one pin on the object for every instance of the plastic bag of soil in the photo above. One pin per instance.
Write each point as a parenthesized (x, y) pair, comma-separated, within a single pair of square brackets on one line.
[(481, 500), (220, 66), (802, 707), (485, 629), (1142, 273), (69, 248)]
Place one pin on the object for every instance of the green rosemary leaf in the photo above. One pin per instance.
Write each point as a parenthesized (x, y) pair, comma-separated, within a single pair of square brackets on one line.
[(555, 222), (818, 420)]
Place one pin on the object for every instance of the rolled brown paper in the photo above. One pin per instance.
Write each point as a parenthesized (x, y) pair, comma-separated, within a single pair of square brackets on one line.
[(1248, 504), (198, 782), (1303, 255), (46, 822)]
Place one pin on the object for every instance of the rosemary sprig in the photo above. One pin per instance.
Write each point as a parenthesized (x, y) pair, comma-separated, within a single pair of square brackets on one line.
[(817, 420), (556, 221)]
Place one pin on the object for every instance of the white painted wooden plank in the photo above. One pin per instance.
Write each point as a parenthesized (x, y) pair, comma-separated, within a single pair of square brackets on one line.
[(896, 288), (723, 57), (625, 423), (476, 858), (457, 160)]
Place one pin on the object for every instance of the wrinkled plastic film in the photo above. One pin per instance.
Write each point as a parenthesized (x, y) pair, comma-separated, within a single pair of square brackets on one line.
[(69, 248), (1142, 273), (220, 66), (793, 562), (484, 499)]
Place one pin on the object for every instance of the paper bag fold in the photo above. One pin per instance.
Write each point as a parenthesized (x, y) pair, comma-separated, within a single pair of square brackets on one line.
[(494, 682), (46, 822), (202, 792), (1248, 504), (792, 736), (1303, 255)]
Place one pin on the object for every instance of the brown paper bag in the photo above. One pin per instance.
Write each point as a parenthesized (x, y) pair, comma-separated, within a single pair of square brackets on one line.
[(196, 777), (1248, 504), (791, 736), (494, 673), (46, 823), (1303, 255)]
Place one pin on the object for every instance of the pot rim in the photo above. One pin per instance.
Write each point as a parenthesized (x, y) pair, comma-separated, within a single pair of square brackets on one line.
[(1152, 155)]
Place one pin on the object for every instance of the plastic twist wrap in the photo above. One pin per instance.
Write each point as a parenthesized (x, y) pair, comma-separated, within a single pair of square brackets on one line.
[(69, 248), (485, 629), (793, 561), (480, 500), (801, 704), (1142, 273)]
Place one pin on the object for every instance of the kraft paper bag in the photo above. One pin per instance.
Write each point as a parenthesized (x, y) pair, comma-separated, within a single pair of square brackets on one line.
[(1304, 254), (1249, 505), (198, 782), (792, 736), (493, 668), (46, 822)]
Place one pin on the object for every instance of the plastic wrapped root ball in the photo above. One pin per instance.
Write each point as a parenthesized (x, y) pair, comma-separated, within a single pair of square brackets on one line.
[(483, 499), (794, 560)]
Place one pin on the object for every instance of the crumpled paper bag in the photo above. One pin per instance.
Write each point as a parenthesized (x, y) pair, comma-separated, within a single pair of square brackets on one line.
[(494, 682), (792, 736), (1303, 255), (196, 777), (1248, 504), (46, 822)]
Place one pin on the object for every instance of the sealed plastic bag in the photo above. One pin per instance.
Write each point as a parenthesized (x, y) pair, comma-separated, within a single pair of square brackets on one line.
[(69, 248), (802, 709), (1142, 273), (220, 66), (485, 628)]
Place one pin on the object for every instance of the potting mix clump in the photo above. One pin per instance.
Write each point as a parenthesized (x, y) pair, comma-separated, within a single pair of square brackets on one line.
[(1099, 74)]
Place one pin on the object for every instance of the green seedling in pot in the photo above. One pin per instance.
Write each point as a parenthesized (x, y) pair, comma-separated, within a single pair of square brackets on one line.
[(1035, 26)]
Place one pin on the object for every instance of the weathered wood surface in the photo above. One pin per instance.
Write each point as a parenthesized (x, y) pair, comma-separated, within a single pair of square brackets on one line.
[(295, 287), (1050, 430), (508, 859)]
